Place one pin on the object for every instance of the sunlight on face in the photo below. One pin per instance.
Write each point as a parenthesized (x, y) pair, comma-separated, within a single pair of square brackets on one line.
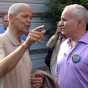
[(68, 24), (23, 21)]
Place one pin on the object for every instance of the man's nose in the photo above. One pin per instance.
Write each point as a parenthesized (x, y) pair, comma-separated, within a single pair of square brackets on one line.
[(29, 18)]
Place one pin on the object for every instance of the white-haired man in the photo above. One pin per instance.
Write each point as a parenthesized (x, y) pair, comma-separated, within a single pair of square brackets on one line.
[(72, 58), (15, 61)]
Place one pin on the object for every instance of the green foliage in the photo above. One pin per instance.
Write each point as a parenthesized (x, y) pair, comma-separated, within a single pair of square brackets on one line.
[(84, 3)]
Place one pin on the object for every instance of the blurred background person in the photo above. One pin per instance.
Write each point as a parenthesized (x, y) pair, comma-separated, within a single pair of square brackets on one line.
[(52, 45), (4, 24)]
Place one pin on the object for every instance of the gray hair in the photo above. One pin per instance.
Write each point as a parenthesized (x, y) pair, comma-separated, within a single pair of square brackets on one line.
[(78, 11), (17, 8)]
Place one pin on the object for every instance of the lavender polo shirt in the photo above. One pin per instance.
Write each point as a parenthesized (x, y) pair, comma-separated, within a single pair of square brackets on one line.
[(72, 70)]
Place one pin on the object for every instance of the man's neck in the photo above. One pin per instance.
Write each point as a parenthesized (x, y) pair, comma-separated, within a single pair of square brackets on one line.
[(76, 37), (15, 34), (73, 43)]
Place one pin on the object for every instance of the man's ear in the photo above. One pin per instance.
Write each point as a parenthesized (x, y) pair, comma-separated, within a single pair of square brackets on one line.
[(81, 23), (11, 17), (81, 20)]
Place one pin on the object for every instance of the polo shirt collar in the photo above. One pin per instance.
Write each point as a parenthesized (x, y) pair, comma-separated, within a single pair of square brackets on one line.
[(11, 38), (84, 39)]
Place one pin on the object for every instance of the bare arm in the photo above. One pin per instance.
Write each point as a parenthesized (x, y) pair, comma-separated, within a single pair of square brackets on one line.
[(9, 62)]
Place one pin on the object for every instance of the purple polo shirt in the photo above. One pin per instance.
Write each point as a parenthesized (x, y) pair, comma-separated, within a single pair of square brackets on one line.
[(73, 74)]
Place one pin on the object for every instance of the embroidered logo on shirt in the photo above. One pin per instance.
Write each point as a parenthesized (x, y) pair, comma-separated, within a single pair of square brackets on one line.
[(76, 58)]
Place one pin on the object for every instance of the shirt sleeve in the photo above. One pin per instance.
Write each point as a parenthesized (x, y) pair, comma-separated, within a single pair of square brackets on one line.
[(54, 70)]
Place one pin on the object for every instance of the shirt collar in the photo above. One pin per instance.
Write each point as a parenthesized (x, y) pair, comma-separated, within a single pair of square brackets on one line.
[(11, 38), (84, 39)]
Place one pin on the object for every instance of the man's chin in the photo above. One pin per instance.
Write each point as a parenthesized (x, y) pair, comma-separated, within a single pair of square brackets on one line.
[(63, 34), (26, 32)]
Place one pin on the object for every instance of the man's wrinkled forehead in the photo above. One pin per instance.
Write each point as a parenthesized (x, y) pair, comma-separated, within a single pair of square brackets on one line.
[(68, 12), (25, 8), (19, 7), (65, 13)]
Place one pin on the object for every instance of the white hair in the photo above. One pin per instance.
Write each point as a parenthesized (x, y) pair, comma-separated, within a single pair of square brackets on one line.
[(78, 11), (16, 8)]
